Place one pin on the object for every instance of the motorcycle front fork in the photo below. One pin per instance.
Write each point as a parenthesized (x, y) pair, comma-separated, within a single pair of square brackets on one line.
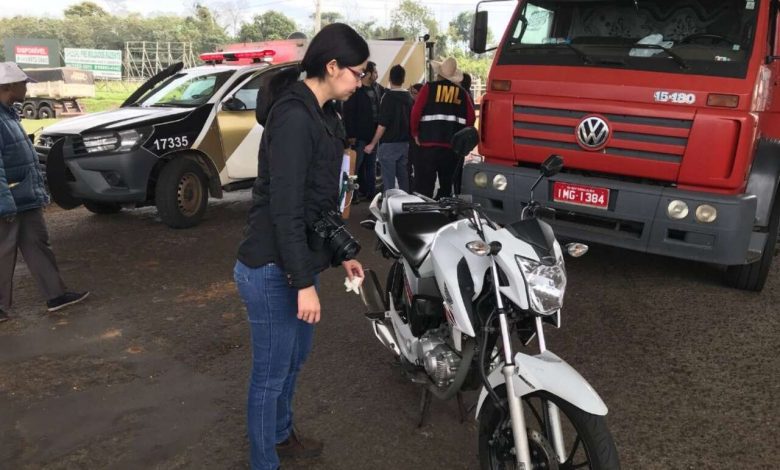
[(552, 413)]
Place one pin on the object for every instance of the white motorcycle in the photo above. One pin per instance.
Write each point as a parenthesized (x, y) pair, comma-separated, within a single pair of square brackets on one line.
[(459, 289)]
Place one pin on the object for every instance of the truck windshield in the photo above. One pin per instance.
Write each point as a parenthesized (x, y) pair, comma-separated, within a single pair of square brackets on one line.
[(704, 37), (185, 90)]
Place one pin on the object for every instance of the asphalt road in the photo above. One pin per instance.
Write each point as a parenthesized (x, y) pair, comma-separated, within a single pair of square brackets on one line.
[(151, 372)]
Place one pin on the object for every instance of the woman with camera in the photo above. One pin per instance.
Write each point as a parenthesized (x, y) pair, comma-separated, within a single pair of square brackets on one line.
[(294, 232)]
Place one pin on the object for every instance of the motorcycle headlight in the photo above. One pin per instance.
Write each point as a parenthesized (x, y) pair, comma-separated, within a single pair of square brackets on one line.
[(546, 284)]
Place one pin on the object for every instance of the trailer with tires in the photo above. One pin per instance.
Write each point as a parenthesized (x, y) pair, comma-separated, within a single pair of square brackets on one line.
[(56, 91)]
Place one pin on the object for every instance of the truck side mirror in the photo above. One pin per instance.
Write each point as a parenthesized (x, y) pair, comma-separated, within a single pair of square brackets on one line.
[(552, 166), (479, 32)]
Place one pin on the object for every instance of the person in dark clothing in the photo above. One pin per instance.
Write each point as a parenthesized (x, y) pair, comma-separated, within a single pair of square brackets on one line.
[(22, 199), (456, 180), (441, 109), (281, 256), (392, 133), (361, 117), (414, 149)]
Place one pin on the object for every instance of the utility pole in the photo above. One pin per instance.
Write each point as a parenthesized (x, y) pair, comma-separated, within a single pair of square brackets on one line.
[(317, 16)]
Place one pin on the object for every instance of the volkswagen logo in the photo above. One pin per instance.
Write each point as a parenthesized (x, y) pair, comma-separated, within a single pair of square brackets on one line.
[(592, 133)]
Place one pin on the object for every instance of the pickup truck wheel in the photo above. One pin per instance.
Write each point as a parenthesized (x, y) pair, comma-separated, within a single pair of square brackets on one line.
[(753, 276), (29, 111), (45, 112), (181, 193), (102, 208)]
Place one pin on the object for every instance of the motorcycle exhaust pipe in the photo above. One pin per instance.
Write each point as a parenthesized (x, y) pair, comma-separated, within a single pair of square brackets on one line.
[(374, 300), (371, 293), (385, 336)]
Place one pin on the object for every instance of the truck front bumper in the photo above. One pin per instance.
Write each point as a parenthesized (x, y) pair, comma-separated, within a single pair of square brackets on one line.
[(104, 177), (636, 218)]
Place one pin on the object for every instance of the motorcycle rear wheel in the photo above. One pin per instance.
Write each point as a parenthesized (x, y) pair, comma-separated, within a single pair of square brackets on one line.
[(587, 440)]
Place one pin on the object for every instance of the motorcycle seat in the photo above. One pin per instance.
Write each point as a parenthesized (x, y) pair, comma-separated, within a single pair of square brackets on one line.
[(413, 232)]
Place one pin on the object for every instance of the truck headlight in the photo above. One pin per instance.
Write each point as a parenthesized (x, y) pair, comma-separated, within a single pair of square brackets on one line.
[(121, 141), (101, 142), (500, 182), (546, 284), (480, 179), (677, 210), (706, 213)]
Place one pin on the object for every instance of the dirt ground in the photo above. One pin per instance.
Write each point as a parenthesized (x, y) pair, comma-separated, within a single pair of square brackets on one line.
[(151, 372)]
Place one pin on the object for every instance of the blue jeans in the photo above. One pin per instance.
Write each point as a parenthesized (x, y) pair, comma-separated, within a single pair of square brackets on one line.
[(365, 167), (393, 157), (280, 344)]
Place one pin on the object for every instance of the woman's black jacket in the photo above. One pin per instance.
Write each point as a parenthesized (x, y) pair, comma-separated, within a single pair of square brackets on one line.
[(299, 169)]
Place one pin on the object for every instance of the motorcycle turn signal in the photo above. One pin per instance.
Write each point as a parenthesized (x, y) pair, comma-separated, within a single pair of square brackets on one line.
[(575, 250)]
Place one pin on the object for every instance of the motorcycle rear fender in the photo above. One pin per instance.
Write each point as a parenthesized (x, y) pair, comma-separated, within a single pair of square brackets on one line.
[(552, 374)]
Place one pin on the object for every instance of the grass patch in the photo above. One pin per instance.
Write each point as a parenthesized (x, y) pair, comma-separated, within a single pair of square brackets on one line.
[(109, 95), (35, 125)]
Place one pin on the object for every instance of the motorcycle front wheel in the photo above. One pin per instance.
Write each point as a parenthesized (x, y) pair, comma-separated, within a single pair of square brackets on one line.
[(587, 442)]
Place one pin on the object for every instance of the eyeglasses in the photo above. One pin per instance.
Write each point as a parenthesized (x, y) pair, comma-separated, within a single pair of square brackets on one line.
[(358, 75)]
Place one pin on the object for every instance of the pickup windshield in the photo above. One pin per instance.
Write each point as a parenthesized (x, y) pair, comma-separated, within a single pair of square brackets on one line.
[(702, 37), (185, 90)]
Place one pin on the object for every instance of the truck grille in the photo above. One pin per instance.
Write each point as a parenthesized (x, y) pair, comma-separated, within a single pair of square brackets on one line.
[(648, 138)]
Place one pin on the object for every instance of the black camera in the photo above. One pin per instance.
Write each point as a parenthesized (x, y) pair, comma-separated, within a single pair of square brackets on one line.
[(341, 243)]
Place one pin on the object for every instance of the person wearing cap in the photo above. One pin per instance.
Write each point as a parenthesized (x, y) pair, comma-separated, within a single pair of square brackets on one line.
[(441, 109), (22, 198)]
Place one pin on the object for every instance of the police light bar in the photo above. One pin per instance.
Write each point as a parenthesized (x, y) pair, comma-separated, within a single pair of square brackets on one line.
[(265, 55)]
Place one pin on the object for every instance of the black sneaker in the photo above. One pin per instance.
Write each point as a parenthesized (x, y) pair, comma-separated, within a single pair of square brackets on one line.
[(66, 299), (3, 316)]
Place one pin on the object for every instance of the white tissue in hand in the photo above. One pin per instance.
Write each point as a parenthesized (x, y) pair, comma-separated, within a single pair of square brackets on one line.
[(353, 285)]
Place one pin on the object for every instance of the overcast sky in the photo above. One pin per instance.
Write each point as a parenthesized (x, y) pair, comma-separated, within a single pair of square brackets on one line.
[(380, 10)]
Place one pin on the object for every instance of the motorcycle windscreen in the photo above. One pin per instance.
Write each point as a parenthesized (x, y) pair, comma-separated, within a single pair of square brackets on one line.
[(57, 178)]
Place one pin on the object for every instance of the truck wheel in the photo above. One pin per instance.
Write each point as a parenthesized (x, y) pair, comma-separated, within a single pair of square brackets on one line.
[(45, 112), (181, 193), (753, 276), (29, 111), (102, 207)]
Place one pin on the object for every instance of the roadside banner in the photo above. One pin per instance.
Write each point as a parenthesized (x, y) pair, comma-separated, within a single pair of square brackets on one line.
[(104, 64), (32, 52)]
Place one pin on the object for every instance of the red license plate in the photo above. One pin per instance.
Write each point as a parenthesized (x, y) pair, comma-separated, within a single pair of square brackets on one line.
[(581, 195)]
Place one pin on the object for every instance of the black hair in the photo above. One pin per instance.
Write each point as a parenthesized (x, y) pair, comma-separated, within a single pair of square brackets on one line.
[(335, 41), (417, 86), (370, 66), (397, 75)]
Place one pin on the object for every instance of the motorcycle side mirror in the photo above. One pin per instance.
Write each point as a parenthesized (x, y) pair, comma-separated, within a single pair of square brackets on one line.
[(464, 141), (552, 166)]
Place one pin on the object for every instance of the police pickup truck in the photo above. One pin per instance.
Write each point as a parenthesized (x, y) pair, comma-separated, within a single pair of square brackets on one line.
[(184, 135)]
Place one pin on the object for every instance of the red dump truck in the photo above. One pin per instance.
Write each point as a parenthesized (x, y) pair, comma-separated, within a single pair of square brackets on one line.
[(666, 115)]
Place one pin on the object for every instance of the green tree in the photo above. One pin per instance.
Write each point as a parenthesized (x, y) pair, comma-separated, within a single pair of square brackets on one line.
[(369, 30), (202, 27), (270, 25), (412, 20), (85, 9), (329, 17), (460, 29)]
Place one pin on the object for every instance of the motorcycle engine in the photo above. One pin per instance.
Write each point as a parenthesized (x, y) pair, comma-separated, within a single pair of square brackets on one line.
[(441, 362)]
